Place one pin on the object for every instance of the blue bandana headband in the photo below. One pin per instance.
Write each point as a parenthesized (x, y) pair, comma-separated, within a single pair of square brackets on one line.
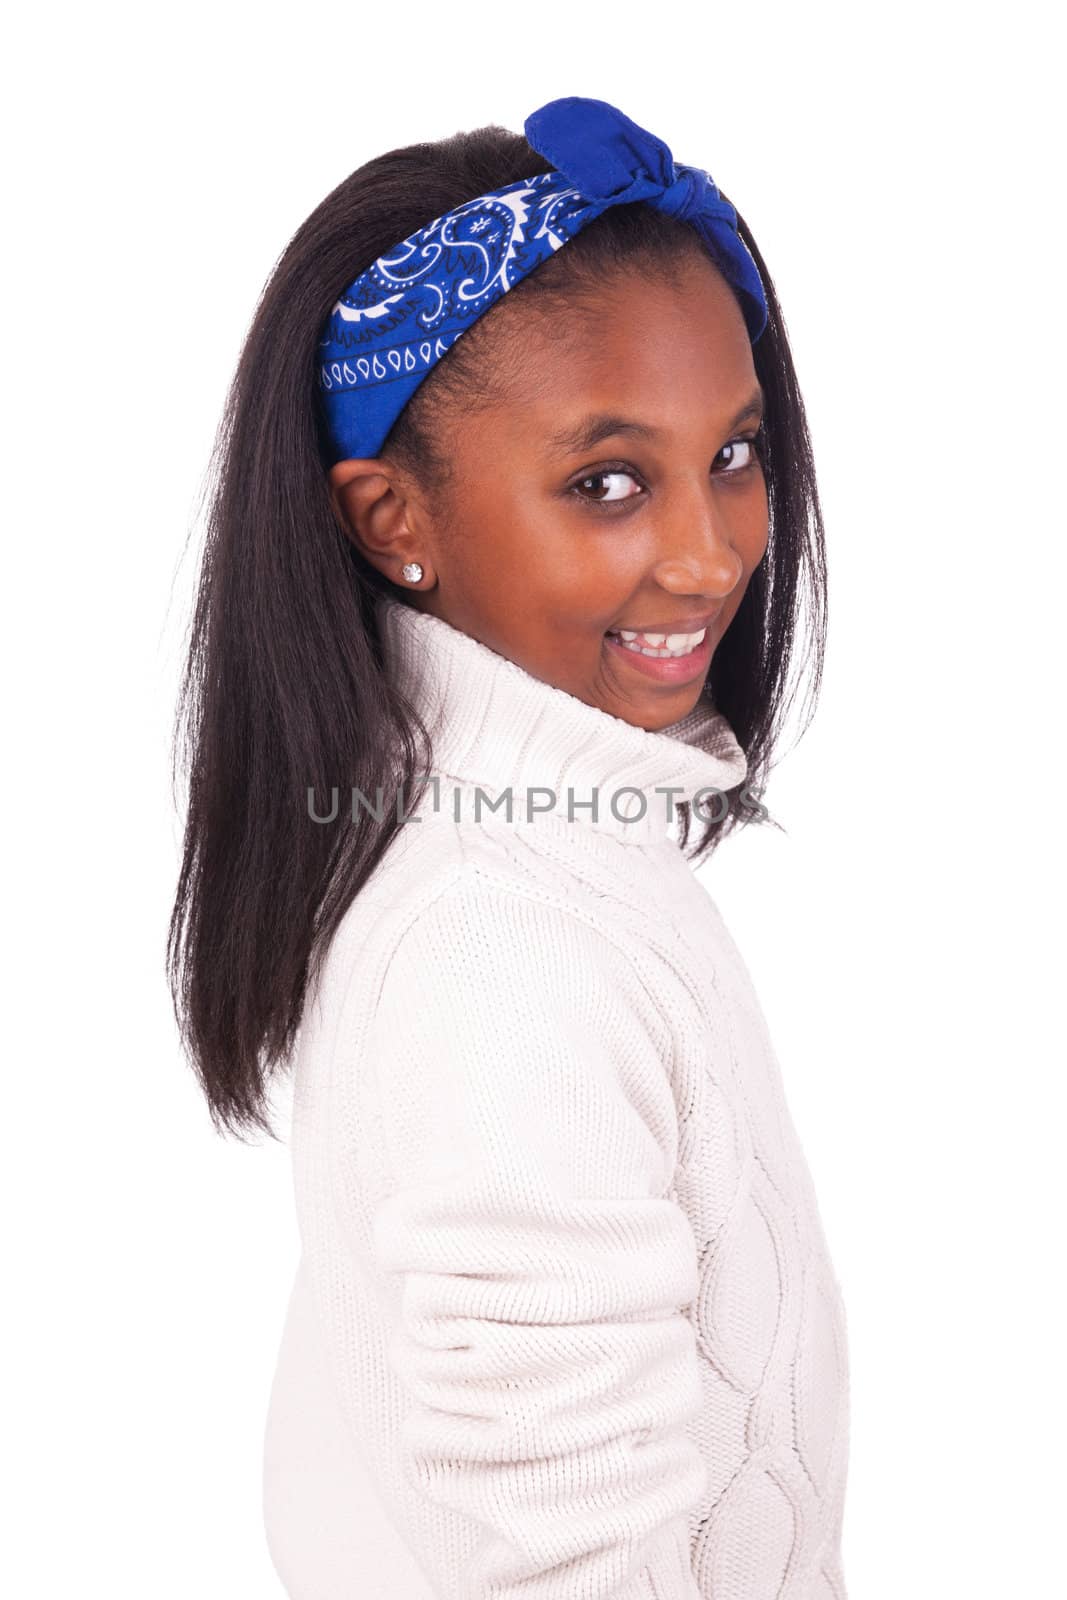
[(393, 324)]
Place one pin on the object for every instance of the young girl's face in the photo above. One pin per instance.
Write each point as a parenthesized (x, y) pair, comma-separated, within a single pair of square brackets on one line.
[(549, 544)]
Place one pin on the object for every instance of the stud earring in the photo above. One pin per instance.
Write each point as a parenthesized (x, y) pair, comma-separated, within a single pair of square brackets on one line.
[(412, 572)]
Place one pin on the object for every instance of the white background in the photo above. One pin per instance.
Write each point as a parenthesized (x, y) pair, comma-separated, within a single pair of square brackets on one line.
[(896, 166)]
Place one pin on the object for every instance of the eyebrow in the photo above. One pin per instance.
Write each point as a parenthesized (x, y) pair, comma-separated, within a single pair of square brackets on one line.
[(592, 430)]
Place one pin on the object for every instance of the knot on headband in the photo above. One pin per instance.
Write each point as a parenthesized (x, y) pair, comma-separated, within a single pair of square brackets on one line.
[(389, 328), (614, 162)]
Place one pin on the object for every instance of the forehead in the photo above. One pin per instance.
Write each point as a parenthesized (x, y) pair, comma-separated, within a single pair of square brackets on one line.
[(676, 352)]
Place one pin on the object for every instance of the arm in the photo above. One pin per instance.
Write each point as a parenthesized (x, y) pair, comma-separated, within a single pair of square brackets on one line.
[(540, 1272)]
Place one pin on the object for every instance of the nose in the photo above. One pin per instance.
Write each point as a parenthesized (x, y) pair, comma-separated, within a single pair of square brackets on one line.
[(697, 553)]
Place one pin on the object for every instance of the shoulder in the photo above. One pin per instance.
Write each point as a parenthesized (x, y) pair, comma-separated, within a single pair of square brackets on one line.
[(480, 910), (506, 1030), (469, 1002), (484, 928), (526, 993), (464, 951)]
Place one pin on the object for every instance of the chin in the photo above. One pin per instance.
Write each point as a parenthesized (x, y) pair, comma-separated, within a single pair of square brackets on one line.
[(655, 722)]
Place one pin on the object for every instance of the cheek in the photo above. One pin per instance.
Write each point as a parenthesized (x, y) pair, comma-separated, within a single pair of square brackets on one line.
[(581, 573), (753, 526)]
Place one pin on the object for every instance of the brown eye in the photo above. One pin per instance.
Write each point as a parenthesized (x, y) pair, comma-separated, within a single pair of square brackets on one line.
[(740, 453), (598, 477)]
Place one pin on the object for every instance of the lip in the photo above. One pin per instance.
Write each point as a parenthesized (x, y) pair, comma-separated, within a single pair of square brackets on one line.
[(690, 624), (668, 669)]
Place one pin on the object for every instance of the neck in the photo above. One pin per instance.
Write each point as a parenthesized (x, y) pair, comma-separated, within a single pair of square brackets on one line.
[(538, 750)]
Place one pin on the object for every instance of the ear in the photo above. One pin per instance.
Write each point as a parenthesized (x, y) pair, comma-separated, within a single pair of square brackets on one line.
[(374, 508)]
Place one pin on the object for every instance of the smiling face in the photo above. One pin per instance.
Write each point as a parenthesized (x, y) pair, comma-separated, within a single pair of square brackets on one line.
[(612, 484)]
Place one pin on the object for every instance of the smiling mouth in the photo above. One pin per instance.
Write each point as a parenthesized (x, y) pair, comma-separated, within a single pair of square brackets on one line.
[(659, 646), (681, 659)]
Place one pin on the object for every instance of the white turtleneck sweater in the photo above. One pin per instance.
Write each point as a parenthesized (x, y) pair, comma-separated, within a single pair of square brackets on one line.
[(564, 1326)]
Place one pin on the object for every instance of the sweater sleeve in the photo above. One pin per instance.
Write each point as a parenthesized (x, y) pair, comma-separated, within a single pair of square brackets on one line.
[(539, 1270)]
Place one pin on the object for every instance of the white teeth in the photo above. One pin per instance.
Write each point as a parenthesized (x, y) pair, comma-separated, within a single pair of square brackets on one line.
[(662, 645)]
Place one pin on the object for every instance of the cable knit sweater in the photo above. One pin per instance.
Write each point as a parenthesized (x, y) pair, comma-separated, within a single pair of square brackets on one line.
[(564, 1326)]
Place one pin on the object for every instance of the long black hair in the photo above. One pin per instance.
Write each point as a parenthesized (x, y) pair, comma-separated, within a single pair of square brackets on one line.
[(284, 689)]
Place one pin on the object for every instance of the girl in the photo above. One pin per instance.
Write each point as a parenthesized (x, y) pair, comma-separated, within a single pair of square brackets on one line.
[(514, 523)]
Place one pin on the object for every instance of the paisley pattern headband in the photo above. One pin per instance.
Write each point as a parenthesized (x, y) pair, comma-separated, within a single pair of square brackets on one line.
[(393, 324)]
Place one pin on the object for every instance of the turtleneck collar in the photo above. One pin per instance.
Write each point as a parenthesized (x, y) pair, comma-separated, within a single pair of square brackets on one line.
[(495, 727)]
